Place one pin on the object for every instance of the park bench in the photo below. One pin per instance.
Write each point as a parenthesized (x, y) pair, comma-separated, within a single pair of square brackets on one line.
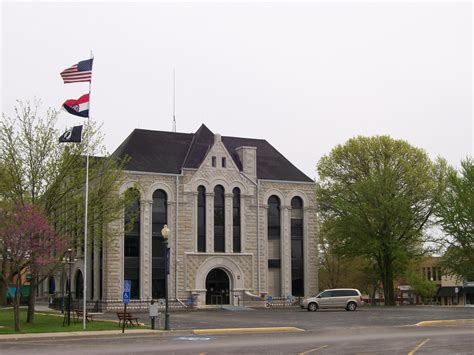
[(127, 318), (80, 314)]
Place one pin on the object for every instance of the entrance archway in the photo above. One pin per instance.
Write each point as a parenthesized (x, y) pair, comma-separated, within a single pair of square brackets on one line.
[(217, 287)]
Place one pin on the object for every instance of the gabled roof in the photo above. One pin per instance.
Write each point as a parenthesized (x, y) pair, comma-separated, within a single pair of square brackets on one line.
[(155, 151), (170, 152), (202, 141)]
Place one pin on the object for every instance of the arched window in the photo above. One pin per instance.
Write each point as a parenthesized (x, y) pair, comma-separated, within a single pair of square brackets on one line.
[(274, 236), (219, 219), (201, 214), (131, 245), (159, 219), (297, 265), (236, 240), (51, 285), (79, 285)]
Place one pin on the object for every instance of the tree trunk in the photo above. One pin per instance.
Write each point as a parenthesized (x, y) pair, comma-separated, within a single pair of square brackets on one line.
[(16, 304), (3, 293), (387, 277), (3, 282), (31, 301)]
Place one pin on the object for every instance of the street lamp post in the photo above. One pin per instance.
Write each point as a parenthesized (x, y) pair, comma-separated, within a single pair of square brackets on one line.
[(68, 259), (165, 232)]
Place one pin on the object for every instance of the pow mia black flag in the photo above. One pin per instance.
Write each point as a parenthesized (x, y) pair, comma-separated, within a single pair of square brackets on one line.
[(72, 135)]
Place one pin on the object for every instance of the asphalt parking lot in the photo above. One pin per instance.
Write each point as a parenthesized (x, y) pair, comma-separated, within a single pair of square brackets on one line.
[(309, 321)]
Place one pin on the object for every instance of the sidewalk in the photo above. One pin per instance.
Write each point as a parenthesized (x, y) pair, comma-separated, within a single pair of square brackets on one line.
[(92, 334)]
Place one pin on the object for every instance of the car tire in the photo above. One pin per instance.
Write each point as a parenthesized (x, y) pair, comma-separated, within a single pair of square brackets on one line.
[(312, 307), (351, 306)]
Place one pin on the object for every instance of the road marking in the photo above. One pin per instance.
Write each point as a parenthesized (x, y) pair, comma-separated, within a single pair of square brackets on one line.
[(313, 350), (193, 338), (428, 323), (418, 346), (247, 330)]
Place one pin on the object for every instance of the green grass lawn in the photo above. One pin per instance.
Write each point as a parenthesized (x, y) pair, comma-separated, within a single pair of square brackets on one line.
[(47, 323)]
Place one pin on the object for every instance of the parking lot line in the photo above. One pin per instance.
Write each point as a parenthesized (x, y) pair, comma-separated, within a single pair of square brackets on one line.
[(415, 349), (313, 350), (428, 323)]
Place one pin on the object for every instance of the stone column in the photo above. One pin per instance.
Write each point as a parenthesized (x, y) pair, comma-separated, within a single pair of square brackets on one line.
[(194, 229), (171, 209), (113, 262), (209, 222), (263, 252), (285, 252), (310, 251), (145, 248), (228, 223)]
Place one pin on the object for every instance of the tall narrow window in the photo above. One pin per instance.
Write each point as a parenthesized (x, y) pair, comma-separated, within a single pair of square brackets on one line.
[(131, 250), (236, 243), (201, 219), (274, 236), (159, 219), (219, 219), (297, 265), (224, 163)]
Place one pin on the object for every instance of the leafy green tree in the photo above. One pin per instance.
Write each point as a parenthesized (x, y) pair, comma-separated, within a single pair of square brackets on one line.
[(421, 286), (37, 170), (376, 198), (456, 218)]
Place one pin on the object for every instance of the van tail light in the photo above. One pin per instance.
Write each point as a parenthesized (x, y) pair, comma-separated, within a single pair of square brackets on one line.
[(360, 298)]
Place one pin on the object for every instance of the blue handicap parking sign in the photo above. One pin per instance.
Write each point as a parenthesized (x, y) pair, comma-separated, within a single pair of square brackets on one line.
[(126, 297), (127, 286)]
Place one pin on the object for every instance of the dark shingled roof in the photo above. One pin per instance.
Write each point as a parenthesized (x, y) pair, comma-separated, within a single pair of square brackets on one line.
[(169, 152), (155, 151)]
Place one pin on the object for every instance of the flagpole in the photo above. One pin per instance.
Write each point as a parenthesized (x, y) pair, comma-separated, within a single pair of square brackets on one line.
[(174, 96), (84, 305)]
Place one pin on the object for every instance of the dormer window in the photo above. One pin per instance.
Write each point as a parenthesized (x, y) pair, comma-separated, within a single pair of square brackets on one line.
[(214, 160), (223, 162)]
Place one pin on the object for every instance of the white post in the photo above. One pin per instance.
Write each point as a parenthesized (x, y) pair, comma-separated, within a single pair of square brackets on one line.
[(84, 303)]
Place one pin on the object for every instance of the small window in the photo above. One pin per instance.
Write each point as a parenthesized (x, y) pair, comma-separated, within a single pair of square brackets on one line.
[(223, 162), (274, 263), (214, 161)]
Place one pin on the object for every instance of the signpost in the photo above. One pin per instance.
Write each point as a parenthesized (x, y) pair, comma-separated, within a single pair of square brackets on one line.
[(127, 285), (153, 313)]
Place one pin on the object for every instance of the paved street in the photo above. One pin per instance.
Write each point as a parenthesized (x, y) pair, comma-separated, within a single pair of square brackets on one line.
[(366, 331), (322, 319)]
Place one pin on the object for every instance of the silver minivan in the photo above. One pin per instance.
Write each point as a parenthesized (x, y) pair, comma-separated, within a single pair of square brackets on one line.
[(347, 298)]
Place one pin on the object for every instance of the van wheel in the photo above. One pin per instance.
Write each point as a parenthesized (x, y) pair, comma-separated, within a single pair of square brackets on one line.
[(351, 306), (312, 307)]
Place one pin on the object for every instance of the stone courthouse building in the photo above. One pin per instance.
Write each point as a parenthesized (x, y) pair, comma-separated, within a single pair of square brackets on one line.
[(242, 222)]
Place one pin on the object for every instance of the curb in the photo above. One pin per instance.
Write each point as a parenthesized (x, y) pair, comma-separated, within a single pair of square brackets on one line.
[(90, 334), (428, 323), (141, 332)]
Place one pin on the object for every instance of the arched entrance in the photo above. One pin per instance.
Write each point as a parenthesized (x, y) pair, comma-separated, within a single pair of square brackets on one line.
[(217, 287), (79, 285)]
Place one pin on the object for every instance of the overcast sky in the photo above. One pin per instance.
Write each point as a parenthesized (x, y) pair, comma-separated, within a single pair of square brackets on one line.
[(305, 76)]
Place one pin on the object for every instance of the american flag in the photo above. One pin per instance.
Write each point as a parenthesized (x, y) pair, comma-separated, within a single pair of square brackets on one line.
[(80, 72)]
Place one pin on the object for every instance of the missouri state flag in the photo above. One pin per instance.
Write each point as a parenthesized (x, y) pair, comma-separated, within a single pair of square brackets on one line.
[(80, 72), (79, 107), (72, 135)]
